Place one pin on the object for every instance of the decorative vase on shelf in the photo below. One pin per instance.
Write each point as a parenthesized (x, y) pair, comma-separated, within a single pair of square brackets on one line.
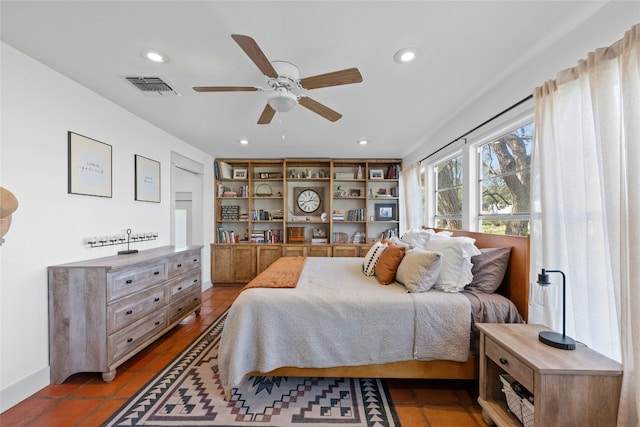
[(360, 174)]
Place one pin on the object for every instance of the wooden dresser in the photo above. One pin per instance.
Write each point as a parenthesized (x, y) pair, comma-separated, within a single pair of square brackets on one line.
[(103, 311)]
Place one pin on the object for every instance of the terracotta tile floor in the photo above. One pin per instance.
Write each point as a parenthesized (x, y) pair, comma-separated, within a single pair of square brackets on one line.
[(85, 400)]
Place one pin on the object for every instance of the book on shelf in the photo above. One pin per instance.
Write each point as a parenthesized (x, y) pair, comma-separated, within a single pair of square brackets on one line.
[(393, 172), (227, 236), (319, 240), (266, 236), (340, 237), (225, 170)]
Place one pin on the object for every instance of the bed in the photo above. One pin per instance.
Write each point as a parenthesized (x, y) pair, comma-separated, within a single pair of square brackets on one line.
[(336, 322)]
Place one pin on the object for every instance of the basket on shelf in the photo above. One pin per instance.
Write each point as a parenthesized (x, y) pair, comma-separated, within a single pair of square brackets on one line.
[(264, 190), (519, 406)]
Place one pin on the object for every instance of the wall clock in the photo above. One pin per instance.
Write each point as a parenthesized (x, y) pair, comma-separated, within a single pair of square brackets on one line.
[(308, 200)]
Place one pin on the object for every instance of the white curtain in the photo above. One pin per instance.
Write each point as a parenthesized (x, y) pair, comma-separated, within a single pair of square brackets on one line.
[(586, 206), (411, 212)]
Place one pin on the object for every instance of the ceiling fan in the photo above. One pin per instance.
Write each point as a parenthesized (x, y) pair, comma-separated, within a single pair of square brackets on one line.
[(283, 78)]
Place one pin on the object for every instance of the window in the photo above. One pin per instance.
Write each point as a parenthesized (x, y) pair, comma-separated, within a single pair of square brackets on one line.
[(448, 194), (505, 164), (484, 184)]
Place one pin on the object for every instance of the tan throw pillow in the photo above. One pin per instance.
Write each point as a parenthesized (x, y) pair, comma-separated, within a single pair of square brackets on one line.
[(419, 270), (388, 264)]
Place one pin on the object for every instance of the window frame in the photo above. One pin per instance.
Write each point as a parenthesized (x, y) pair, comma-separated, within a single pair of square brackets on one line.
[(469, 148)]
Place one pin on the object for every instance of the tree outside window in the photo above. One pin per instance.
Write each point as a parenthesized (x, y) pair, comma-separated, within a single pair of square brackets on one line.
[(448, 180), (505, 182)]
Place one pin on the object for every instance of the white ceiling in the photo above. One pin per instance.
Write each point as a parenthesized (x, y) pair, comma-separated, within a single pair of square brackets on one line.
[(465, 48)]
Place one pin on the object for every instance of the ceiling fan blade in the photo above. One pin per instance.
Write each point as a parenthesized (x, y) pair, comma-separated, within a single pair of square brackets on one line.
[(336, 78), (267, 115), (254, 52), (225, 88), (318, 108)]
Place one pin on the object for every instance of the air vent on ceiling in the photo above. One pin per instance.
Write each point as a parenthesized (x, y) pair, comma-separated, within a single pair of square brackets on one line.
[(152, 86)]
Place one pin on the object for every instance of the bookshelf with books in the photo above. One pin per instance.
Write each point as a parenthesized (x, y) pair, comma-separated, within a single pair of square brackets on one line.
[(310, 207), (383, 199)]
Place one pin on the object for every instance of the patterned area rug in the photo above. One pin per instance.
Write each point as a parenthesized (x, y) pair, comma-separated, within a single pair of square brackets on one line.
[(188, 393)]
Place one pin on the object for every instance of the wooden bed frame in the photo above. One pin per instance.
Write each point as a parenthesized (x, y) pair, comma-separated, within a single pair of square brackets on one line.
[(515, 286)]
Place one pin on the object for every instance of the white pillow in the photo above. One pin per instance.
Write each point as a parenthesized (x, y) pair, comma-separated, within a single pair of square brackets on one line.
[(417, 238), (371, 259), (396, 241), (419, 270), (456, 261)]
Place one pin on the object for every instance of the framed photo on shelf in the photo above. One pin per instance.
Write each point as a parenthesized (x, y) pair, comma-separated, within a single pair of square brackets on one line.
[(239, 173), (376, 174), (385, 211), (147, 173), (89, 166), (355, 192)]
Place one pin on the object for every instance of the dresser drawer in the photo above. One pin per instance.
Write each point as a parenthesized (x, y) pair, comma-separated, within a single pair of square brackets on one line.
[(184, 304), (184, 284), (126, 282), (127, 339), (180, 264), (128, 310), (511, 364)]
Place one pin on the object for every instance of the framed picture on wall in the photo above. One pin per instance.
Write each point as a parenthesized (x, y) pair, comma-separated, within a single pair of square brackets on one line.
[(89, 166), (147, 174)]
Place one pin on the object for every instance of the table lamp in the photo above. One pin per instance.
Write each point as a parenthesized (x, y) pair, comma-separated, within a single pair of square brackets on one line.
[(551, 338)]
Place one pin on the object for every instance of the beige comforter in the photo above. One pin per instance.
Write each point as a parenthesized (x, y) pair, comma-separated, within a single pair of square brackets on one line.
[(336, 316)]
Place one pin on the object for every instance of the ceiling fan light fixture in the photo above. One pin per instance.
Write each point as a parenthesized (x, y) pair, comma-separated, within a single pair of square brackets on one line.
[(244, 141), (282, 101), (363, 142)]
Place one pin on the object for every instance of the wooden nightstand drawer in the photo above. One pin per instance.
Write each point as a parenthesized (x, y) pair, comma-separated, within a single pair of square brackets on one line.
[(511, 364)]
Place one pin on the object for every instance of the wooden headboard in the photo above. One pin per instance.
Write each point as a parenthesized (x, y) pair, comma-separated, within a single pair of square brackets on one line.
[(515, 285)]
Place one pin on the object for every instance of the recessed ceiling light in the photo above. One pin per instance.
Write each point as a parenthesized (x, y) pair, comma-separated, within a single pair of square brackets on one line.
[(363, 142), (154, 56), (244, 141), (404, 55)]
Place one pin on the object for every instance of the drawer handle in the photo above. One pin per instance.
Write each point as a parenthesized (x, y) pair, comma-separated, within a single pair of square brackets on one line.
[(195, 260), (195, 298), (130, 340), (129, 312), (155, 273), (179, 265), (195, 280), (129, 281), (504, 361), (180, 288), (157, 323), (179, 309), (156, 299)]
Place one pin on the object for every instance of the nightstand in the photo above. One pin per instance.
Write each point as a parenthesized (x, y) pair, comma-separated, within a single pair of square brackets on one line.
[(571, 387)]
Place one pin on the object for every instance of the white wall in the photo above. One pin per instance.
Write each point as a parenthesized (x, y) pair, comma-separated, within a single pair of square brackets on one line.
[(39, 107), (607, 25)]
